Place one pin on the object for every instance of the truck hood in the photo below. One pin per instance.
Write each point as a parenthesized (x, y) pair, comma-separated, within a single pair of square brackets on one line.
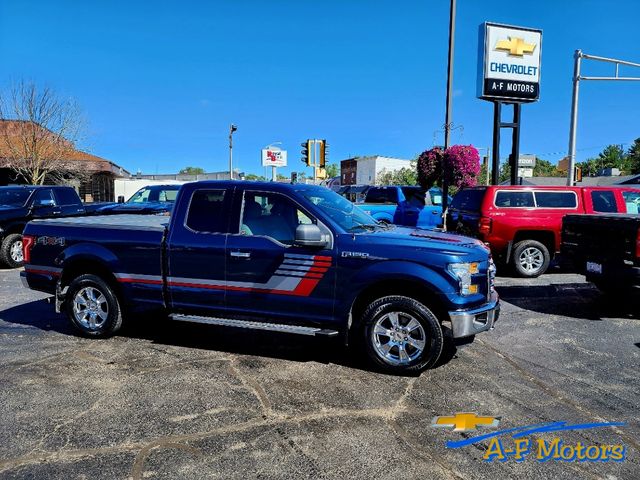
[(408, 242)]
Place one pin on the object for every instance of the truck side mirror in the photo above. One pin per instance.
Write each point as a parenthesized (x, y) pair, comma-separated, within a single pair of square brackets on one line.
[(309, 235)]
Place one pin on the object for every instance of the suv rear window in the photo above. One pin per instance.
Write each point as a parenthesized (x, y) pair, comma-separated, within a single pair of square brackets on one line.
[(381, 195), (556, 200), (468, 199), (511, 199)]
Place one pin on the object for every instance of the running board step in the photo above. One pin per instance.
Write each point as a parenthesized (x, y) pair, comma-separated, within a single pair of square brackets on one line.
[(273, 327)]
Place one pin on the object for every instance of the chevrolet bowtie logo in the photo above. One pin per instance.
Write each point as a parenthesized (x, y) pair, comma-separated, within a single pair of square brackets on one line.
[(463, 422), (515, 46)]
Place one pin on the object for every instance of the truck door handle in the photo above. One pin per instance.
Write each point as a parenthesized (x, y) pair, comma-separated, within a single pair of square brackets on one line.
[(240, 254)]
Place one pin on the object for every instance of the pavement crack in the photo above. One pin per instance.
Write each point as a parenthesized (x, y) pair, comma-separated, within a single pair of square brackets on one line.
[(253, 386)]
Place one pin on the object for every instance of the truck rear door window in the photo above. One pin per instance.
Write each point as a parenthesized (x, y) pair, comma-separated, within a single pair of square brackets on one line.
[(382, 195), (206, 212), (604, 201), (271, 215), (556, 200), (632, 202), (67, 196), (511, 199), (416, 197)]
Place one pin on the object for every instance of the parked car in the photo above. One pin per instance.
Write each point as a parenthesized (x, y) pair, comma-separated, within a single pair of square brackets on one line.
[(523, 224), (409, 205), (604, 248), (289, 258), (19, 204), (152, 199)]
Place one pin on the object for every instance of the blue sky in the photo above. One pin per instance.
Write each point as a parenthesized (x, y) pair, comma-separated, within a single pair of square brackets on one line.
[(159, 82)]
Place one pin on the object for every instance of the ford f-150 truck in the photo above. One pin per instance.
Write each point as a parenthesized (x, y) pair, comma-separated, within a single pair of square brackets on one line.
[(291, 258), (604, 248), (21, 203), (410, 206)]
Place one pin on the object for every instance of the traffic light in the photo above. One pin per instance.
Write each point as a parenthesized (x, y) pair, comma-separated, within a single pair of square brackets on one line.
[(324, 153), (294, 177), (306, 152), (577, 174)]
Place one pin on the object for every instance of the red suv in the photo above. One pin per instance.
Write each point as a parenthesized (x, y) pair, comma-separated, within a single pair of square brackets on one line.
[(522, 224)]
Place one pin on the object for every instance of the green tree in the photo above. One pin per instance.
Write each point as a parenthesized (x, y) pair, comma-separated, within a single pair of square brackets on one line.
[(254, 177), (403, 176), (191, 171), (633, 158), (333, 170), (545, 168), (505, 172), (612, 157)]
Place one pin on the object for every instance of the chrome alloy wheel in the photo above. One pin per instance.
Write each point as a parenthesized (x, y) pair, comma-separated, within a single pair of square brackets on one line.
[(16, 251), (398, 338), (90, 308), (531, 259)]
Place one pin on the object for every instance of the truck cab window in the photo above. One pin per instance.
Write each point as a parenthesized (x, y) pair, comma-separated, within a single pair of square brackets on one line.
[(206, 212), (271, 215), (632, 202)]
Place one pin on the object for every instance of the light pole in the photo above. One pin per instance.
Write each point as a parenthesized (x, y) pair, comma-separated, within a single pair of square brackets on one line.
[(232, 128), (447, 115)]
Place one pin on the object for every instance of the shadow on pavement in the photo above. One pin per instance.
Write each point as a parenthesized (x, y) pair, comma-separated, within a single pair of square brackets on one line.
[(159, 330), (575, 300)]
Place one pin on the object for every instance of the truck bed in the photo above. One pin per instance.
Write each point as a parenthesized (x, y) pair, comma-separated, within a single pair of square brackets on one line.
[(126, 222)]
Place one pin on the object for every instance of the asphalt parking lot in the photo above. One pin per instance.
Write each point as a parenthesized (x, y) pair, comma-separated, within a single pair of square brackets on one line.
[(191, 401)]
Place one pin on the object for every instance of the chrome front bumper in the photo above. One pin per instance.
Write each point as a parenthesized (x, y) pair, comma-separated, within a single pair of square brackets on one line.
[(465, 323)]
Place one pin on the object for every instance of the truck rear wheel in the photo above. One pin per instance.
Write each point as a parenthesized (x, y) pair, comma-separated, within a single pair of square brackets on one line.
[(401, 335), (11, 251), (92, 306), (530, 258)]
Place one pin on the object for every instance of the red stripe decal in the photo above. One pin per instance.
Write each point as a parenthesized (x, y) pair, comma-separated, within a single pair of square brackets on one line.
[(138, 280), (323, 258), (42, 272)]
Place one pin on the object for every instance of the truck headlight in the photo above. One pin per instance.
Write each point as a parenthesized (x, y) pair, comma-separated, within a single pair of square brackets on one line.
[(463, 273)]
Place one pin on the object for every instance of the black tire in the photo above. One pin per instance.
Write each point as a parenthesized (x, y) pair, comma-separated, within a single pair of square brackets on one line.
[(7, 254), (110, 307), (530, 258), (379, 312)]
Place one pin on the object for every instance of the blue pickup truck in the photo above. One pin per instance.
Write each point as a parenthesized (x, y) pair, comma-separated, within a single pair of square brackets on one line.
[(409, 206), (290, 258)]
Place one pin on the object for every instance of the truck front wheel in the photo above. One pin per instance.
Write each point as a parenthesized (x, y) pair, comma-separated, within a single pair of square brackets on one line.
[(401, 335), (93, 307)]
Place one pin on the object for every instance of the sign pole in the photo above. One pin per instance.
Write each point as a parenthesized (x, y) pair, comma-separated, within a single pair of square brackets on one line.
[(574, 118), (515, 144), (495, 159)]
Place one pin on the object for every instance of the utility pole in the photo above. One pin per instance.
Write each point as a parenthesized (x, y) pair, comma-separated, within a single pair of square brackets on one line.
[(232, 128), (447, 115)]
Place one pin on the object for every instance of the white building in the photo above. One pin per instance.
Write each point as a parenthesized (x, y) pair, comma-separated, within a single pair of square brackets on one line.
[(366, 170)]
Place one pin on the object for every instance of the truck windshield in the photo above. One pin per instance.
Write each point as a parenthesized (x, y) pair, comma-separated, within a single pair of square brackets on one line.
[(14, 197), (340, 210)]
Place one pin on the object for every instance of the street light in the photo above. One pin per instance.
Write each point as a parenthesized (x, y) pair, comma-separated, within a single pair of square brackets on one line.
[(232, 128)]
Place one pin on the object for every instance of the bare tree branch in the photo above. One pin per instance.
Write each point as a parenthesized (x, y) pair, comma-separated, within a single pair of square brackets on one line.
[(38, 140)]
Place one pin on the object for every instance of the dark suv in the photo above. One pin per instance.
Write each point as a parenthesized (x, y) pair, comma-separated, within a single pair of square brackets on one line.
[(20, 204)]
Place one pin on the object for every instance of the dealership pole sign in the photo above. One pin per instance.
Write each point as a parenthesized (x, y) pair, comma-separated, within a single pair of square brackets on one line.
[(509, 63), (274, 157)]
